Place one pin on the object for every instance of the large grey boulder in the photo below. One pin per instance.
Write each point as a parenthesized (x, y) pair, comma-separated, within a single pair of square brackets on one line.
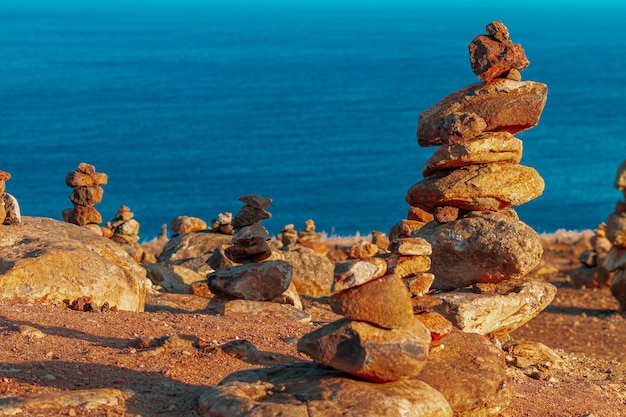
[(481, 247), (310, 390), (43, 258)]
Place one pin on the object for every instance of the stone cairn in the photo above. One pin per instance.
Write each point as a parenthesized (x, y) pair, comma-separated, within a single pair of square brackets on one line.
[(592, 273), (87, 185), (379, 339), (9, 207), (470, 185), (124, 229), (223, 224), (615, 260), (290, 239), (253, 279)]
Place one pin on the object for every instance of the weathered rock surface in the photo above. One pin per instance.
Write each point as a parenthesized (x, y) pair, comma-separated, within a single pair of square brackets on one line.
[(491, 57), (514, 303), (353, 272), (483, 187), (186, 224), (46, 259), (12, 210), (253, 281), (470, 372), (172, 278), (615, 259), (616, 229), (620, 177), (195, 244), (481, 247), (312, 274), (309, 390), (368, 351), (485, 148), (505, 105), (590, 277), (385, 302)]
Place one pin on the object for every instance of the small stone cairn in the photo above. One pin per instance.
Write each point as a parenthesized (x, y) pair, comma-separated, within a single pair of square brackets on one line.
[(379, 339), (290, 239), (615, 260), (124, 229), (223, 224), (87, 185), (592, 273), (9, 207), (254, 279)]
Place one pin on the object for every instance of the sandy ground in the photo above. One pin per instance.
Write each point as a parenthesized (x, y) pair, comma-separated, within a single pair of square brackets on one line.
[(52, 349)]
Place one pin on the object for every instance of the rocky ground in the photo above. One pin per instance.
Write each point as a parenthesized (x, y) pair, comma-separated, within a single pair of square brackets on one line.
[(57, 361)]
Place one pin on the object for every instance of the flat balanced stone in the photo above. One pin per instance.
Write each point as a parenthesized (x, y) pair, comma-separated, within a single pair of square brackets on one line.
[(260, 281), (484, 187), (505, 105), (368, 351)]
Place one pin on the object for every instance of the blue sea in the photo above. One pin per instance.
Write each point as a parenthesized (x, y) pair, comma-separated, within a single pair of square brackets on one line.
[(187, 105)]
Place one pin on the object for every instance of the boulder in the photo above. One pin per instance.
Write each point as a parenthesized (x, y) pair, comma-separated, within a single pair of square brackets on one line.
[(195, 244), (260, 281), (481, 247), (368, 351), (485, 148), (470, 372), (505, 105), (484, 187), (42, 258), (511, 305), (308, 389), (312, 273)]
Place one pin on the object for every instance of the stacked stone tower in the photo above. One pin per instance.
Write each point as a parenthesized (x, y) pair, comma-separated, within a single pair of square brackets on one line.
[(87, 185), (253, 279), (379, 338), (124, 229), (474, 178), (9, 207)]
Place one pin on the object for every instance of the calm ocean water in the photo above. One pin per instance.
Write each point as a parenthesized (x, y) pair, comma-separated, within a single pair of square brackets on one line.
[(187, 107)]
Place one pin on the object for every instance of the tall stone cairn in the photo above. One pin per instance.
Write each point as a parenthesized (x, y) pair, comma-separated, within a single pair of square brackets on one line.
[(9, 207), (615, 260), (87, 185), (474, 178), (379, 339), (255, 278)]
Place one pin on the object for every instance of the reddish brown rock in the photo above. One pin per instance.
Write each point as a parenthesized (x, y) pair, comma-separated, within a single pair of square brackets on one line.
[(259, 281), (319, 248), (590, 277), (438, 326), (4, 176), (384, 302), (406, 265), (445, 214), (505, 105), (616, 229), (81, 179), (405, 228), (249, 215), (418, 284), (487, 147), (82, 215), (186, 224), (461, 127), (250, 235), (498, 31), (368, 351), (490, 57), (86, 196), (411, 246), (362, 251), (417, 214), (485, 187)]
